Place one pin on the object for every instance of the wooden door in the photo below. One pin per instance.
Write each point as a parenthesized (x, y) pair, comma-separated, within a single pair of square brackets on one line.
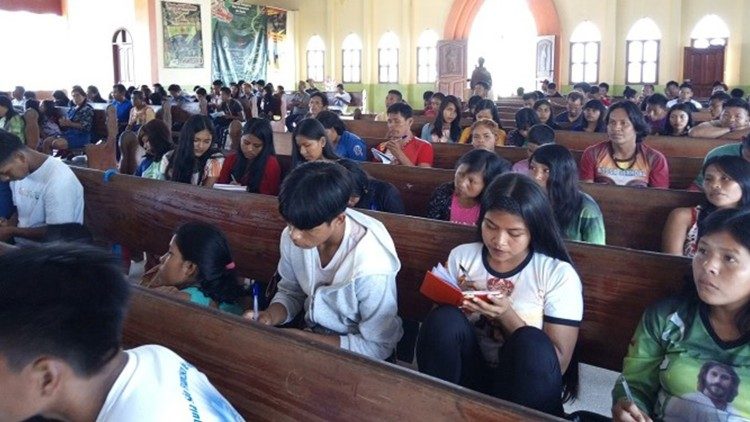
[(703, 66), (451, 64)]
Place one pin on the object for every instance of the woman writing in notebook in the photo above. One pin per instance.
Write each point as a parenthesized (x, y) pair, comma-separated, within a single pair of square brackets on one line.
[(254, 162), (517, 347), (309, 143)]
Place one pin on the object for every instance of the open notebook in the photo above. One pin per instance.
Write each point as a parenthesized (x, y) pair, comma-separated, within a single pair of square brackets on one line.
[(441, 287)]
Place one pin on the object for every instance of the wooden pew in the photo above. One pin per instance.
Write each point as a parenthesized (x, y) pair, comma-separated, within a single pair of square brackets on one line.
[(682, 170), (618, 283), (270, 375), (671, 146), (633, 217)]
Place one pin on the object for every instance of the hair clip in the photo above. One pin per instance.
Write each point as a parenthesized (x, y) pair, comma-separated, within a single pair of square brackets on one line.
[(230, 266)]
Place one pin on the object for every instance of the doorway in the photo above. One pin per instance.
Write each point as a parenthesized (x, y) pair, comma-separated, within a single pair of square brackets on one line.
[(703, 66), (122, 58)]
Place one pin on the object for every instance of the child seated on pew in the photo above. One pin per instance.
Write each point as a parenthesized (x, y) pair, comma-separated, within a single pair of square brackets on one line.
[(726, 183), (554, 169), (458, 201), (486, 135), (372, 194), (61, 356), (156, 139), (539, 135), (543, 110), (309, 143), (525, 119), (254, 162), (198, 267), (195, 160), (518, 347), (338, 266), (689, 359)]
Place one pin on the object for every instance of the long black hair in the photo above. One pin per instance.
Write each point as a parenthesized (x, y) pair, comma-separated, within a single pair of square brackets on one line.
[(642, 129), (488, 105), (596, 105), (517, 194), (254, 170), (687, 108), (437, 128), (8, 104), (206, 246), (738, 169), (562, 186), (488, 163), (184, 162), (311, 129), (159, 138)]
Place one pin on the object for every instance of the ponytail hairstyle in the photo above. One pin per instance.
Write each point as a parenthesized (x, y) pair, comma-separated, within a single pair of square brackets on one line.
[(455, 127), (206, 246), (261, 129), (184, 162), (562, 186)]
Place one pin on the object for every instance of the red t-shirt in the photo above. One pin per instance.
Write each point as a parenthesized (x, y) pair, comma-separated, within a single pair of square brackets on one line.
[(417, 150), (270, 183), (650, 167)]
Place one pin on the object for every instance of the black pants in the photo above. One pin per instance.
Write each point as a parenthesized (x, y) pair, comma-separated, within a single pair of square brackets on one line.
[(528, 373)]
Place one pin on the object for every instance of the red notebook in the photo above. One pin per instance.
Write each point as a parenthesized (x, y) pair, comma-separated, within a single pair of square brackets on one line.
[(440, 287)]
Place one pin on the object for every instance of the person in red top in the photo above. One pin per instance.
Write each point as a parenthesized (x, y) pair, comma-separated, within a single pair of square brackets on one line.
[(623, 159), (402, 146), (254, 164)]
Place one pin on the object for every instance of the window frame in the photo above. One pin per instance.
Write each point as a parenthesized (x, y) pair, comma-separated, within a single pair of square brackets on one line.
[(321, 65), (358, 78), (642, 62), (388, 66), (726, 42), (584, 62), (430, 69)]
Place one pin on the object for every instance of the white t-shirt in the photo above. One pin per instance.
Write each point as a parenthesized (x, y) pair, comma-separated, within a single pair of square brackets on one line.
[(546, 290), (158, 385), (51, 194)]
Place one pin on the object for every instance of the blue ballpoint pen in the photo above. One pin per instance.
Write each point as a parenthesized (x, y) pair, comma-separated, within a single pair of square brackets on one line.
[(256, 294)]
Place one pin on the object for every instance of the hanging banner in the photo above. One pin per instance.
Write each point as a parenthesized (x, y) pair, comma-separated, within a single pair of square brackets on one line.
[(183, 40), (239, 41), (276, 35)]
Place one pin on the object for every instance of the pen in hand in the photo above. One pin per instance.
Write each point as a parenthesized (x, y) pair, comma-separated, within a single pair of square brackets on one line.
[(256, 294)]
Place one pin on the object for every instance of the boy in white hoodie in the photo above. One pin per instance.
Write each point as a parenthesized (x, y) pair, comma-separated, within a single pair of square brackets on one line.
[(337, 264)]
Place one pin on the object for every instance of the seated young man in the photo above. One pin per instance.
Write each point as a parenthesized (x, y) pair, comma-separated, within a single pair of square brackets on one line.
[(394, 96), (738, 150), (61, 357), (337, 265), (45, 191), (734, 122), (656, 113), (402, 146), (686, 96), (574, 114)]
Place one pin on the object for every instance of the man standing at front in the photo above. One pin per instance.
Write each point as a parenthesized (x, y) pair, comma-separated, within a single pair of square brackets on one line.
[(45, 191)]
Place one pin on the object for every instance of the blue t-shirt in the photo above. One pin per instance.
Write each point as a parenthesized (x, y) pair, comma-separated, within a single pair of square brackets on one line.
[(351, 146), (6, 200), (123, 110)]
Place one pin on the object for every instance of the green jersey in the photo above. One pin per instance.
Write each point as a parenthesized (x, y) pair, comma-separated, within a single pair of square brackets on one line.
[(678, 369)]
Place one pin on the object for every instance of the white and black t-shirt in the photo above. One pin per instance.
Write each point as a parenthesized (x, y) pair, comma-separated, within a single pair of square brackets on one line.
[(546, 290)]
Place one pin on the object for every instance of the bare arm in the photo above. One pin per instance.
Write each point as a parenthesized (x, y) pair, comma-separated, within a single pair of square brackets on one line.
[(710, 129), (675, 231), (564, 338)]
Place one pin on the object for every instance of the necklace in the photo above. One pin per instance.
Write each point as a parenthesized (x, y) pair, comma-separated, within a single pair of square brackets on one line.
[(624, 164)]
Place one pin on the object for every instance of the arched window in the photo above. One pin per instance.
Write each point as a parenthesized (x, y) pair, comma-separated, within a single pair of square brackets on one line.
[(710, 30), (316, 53), (351, 64), (643, 53), (122, 52), (585, 44), (388, 58), (427, 57)]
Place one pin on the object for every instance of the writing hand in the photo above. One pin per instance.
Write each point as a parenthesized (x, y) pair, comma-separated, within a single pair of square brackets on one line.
[(263, 317), (493, 311), (626, 411)]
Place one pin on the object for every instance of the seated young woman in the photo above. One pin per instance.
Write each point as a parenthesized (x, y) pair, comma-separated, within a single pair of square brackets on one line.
[(543, 109), (194, 159), (486, 135), (726, 182), (679, 120), (554, 169), (518, 347), (156, 138), (309, 143), (485, 110), (447, 127), (344, 143), (141, 113), (525, 119), (49, 120), (372, 194), (435, 101), (539, 135), (338, 266), (198, 267), (689, 359), (254, 163), (76, 127), (593, 118), (459, 201), (623, 158), (10, 120)]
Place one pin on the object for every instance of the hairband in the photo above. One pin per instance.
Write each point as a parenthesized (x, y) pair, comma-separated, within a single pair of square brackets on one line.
[(230, 266)]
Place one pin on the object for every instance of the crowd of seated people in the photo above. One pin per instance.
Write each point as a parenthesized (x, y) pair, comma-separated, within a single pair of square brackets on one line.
[(338, 266)]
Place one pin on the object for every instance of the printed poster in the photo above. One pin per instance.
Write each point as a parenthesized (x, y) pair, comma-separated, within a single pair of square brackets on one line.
[(239, 41), (183, 40)]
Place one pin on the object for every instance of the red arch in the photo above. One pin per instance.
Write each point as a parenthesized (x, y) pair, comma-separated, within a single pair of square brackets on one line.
[(463, 12)]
